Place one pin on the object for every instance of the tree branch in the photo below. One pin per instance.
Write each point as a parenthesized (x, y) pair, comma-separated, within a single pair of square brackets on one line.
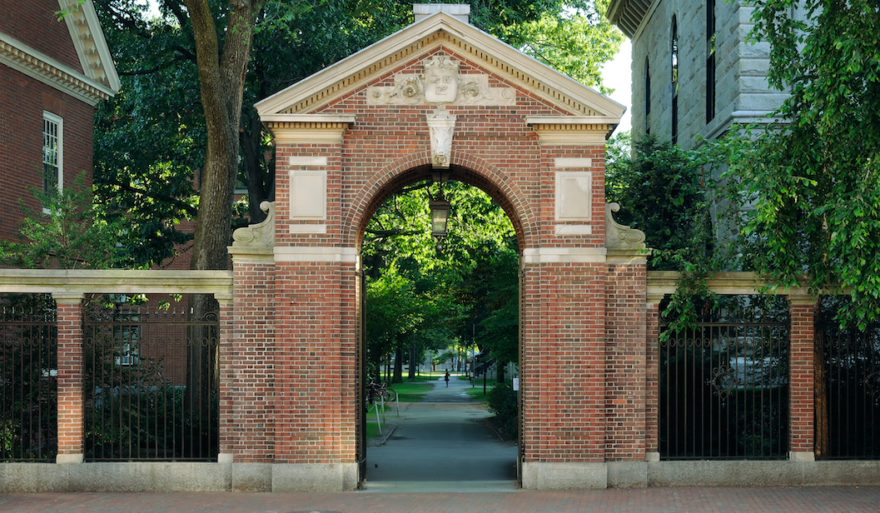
[(177, 202)]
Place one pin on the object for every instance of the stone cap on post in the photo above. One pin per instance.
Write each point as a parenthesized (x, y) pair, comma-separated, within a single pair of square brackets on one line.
[(460, 12)]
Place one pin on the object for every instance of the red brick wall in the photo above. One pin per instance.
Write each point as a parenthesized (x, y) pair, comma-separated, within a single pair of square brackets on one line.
[(801, 377), (70, 378), (247, 368), (22, 102), (625, 391), (34, 23), (315, 355), (563, 362)]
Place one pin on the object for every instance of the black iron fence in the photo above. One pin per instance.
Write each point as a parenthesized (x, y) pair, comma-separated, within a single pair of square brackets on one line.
[(28, 378), (151, 381), (724, 384), (847, 387)]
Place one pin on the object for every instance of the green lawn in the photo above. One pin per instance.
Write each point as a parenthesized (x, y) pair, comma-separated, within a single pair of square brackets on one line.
[(476, 392), (411, 391)]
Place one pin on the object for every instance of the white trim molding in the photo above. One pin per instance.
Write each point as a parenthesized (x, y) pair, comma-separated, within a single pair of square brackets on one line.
[(303, 228), (75, 282), (50, 71), (316, 254), (579, 163), (552, 255), (573, 229)]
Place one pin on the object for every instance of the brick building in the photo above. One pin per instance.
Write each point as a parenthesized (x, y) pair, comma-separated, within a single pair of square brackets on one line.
[(52, 74)]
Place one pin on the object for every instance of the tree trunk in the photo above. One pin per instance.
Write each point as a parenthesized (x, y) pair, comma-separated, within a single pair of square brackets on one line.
[(221, 81), (412, 361), (257, 167), (398, 365)]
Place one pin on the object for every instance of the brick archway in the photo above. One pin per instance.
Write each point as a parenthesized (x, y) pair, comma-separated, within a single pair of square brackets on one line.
[(349, 136), (416, 167)]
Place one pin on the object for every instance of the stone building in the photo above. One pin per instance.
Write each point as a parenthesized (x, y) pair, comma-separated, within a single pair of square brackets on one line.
[(693, 70)]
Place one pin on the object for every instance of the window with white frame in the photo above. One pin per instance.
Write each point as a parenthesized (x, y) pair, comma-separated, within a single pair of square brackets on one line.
[(53, 128)]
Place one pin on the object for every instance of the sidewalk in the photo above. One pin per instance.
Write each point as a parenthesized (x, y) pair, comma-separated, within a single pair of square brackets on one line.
[(443, 438), (652, 500)]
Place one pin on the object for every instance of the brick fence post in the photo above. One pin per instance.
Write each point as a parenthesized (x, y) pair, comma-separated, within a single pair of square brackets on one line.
[(652, 378), (801, 378), (69, 320)]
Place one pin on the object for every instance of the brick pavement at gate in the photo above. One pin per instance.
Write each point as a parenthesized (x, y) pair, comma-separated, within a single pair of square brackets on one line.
[(653, 500)]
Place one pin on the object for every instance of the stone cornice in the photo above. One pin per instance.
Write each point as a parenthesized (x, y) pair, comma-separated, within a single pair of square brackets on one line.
[(75, 282), (88, 39), (35, 64), (629, 15), (424, 37), (308, 128), (571, 130), (661, 283)]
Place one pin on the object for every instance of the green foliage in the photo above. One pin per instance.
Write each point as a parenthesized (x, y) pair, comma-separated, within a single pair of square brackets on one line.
[(67, 233), (503, 403), (572, 37), (664, 191), (150, 138), (812, 184), (419, 295), (667, 192)]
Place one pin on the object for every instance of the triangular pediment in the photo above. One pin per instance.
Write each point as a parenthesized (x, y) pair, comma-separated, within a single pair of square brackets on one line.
[(91, 47), (420, 39)]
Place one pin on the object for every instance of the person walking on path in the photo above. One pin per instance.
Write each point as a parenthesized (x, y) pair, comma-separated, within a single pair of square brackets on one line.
[(446, 378)]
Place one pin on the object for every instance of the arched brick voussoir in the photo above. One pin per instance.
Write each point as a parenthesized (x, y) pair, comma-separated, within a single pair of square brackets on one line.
[(415, 167)]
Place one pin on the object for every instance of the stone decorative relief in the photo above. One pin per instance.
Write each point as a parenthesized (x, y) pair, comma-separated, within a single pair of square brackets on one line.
[(260, 235), (441, 125), (440, 83), (618, 236)]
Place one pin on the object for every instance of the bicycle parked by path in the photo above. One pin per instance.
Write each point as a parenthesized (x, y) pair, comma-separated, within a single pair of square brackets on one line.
[(378, 391)]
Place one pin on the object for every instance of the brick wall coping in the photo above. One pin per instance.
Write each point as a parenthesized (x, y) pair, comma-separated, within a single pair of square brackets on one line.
[(73, 282), (661, 283)]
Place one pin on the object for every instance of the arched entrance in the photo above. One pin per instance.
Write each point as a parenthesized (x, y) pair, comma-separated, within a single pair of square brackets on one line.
[(441, 439), (439, 94)]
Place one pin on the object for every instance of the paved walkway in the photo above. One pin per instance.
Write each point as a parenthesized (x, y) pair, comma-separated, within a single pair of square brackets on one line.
[(652, 500), (444, 438)]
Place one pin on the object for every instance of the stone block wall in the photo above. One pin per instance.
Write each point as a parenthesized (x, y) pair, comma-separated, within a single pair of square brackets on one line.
[(742, 92)]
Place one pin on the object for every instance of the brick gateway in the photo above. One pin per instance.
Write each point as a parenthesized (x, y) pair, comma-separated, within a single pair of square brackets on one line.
[(439, 94), (442, 95)]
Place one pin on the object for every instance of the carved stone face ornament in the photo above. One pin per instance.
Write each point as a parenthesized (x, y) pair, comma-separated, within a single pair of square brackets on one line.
[(441, 79), (441, 83)]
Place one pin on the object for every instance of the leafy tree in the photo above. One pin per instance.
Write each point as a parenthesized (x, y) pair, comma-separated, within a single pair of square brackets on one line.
[(668, 193), (664, 191), (67, 234), (151, 138), (447, 291), (813, 181)]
